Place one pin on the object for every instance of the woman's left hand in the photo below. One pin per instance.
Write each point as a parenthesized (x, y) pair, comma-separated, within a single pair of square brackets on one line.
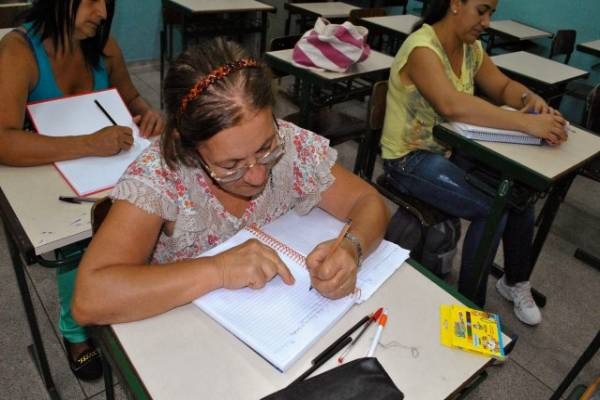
[(333, 275), (534, 104), (151, 123)]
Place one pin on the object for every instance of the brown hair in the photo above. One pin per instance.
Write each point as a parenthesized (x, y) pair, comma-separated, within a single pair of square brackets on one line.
[(220, 105)]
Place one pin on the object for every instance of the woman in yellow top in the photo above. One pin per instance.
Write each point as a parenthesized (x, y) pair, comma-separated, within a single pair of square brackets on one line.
[(432, 80)]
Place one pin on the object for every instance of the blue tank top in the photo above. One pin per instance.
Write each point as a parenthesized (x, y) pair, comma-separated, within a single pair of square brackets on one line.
[(46, 87)]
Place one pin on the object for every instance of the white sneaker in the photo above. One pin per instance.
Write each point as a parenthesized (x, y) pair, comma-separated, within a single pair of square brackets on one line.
[(520, 294)]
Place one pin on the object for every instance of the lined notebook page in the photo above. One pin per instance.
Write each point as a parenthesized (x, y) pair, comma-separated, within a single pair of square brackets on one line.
[(280, 322), (494, 134), (78, 115)]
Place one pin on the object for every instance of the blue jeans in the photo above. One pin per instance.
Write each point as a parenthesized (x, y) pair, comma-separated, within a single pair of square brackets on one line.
[(441, 183)]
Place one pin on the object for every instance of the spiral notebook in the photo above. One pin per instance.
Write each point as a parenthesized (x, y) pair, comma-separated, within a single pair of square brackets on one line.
[(280, 322), (494, 134)]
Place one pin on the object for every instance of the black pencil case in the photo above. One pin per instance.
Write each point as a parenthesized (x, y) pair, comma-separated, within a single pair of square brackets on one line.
[(360, 379)]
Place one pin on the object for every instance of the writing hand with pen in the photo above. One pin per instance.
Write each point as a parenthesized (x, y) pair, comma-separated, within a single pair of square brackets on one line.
[(333, 266), (251, 264), (110, 140)]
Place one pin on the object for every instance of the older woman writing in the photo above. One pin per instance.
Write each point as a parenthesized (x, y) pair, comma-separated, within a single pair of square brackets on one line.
[(224, 162)]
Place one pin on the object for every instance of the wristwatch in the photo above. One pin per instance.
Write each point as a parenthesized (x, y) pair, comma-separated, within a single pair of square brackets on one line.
[(356, 243)]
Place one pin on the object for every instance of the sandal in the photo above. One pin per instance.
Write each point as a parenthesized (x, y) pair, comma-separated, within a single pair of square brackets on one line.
[(88, 365)]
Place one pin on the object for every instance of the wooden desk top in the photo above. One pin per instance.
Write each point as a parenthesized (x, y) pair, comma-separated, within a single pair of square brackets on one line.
[(592, 47), (216, 6), (375, 62), (333, 10), (547, 162), (397, 23), (185, 354), (540, 69), (517, 30), (33, 192)]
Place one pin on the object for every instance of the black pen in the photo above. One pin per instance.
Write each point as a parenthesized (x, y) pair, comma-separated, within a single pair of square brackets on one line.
[(324, 358), (342, 338), (105, 112), (77, 200)]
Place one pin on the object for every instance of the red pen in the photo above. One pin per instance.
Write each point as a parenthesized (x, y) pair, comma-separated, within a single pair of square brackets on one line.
[(374, 317)]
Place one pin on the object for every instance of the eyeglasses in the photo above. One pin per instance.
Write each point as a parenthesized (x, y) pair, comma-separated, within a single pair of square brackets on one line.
[(233, 174)]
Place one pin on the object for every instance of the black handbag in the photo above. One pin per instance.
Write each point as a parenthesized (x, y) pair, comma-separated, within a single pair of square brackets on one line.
[(360, 379)]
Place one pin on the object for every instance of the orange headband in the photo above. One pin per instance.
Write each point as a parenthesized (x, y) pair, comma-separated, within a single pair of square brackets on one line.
[(216, 74)]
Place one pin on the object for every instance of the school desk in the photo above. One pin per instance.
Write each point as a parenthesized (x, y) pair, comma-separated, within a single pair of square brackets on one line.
[(592, 47), (35, 223), (548, 77), (184, 354), (542, 169), (396, 27), (514, 32), (311, 80), (211, 18), (335, 11)]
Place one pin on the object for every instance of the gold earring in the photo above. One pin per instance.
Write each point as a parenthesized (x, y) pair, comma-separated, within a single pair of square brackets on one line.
[(454, 11)]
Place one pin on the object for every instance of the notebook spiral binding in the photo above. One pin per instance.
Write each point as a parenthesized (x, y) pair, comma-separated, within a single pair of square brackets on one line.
[(277, 245)]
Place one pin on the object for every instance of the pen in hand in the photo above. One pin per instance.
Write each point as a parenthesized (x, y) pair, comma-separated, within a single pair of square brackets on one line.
[(112, 121), (338, 241)]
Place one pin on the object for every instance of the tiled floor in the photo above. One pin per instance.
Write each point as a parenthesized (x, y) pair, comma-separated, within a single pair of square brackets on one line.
[(540, 360)]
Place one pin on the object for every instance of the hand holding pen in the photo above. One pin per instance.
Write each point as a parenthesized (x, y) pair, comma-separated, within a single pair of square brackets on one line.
[(333, 267), (110, 140)]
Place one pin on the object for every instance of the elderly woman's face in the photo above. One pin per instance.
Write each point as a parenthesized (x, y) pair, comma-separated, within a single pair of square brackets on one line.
[(90, 15), (235, 148)]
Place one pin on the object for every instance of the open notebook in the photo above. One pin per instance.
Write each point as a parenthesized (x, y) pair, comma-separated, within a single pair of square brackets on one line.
[(280, 322), (77, 115), (494, 134)]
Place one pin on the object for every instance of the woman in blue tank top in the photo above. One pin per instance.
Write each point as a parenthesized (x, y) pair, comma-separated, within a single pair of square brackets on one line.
[(62, 49)]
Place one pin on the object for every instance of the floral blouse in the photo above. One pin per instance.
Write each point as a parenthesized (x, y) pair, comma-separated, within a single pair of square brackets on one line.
[(183, 196)]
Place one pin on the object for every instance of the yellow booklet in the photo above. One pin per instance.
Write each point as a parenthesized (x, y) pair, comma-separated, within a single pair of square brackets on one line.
[(471, 330)]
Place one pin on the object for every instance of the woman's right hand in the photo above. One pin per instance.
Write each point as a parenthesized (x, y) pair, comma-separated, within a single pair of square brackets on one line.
[(251, 264), (550, 127), (110, 140)]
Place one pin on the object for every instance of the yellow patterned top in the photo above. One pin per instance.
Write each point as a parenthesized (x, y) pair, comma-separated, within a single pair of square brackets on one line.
[(409, 118)]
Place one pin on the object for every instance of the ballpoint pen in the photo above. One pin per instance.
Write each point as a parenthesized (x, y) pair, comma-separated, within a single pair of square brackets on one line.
[(346, 334), (374, 317), (77, 200)]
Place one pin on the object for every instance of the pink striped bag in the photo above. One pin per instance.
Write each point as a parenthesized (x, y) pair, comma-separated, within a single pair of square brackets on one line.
[(332, 47)]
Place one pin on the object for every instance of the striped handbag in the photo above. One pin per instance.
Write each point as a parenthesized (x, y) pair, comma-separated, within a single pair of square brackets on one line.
[(332, 47)]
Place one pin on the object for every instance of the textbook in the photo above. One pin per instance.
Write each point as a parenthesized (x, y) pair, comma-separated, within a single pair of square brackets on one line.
[(280, 322), (472, 330), (78, 115), (494, 134)]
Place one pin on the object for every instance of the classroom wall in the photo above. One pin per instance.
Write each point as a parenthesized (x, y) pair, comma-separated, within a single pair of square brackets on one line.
[(136, 26)]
